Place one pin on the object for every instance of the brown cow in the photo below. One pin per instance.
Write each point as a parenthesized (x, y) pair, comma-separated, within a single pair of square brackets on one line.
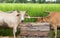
[(53, 19)]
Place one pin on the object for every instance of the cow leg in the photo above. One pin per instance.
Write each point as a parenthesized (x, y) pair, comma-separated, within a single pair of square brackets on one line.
[(14, 30), (14, 33), (55, 31)]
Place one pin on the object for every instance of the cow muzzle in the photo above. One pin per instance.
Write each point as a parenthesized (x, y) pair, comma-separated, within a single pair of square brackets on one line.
[(22, 21)]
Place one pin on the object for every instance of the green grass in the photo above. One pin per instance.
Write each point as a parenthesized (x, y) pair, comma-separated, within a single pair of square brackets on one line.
[(33, 10), (58, 33)]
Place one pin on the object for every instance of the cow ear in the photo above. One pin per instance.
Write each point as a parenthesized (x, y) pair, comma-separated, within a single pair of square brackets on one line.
[(18, 14)]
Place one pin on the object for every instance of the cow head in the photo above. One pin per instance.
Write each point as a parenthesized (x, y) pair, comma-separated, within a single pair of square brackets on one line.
[(22, 15), (40, 19), (14, 13)]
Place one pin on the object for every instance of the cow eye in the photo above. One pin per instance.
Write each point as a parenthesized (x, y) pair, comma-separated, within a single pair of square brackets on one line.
[(18, 14)]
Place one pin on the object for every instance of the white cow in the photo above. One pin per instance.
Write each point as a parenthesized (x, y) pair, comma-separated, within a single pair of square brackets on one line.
[(12, 19)]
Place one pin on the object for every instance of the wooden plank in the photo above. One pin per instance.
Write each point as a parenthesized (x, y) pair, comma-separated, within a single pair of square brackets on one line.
[(35, 30), (36, 26), (35, 33), (41, 28), (33, 37)]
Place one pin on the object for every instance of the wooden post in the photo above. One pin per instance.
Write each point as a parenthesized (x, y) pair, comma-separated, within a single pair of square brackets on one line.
[(35, 30)]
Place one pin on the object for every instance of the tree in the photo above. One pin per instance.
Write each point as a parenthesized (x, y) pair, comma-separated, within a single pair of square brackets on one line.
[(8, 1), (21, 1), (1, 1), (25, 1), (41, 1), (14, 1), (34, 1), (58, 1)]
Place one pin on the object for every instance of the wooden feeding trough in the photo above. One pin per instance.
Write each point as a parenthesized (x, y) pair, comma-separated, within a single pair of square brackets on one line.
[(35, 30)]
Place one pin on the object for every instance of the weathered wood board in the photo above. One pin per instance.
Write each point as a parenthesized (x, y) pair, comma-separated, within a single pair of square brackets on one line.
[(34, 37), (35, 30)]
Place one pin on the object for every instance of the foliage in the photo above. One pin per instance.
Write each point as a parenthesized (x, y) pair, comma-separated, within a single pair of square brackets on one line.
[(7, 1), (41, 1), (26, 1), (34, 1)]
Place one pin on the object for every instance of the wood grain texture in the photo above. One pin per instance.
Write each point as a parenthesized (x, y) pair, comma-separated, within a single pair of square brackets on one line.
[(35, 30)]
